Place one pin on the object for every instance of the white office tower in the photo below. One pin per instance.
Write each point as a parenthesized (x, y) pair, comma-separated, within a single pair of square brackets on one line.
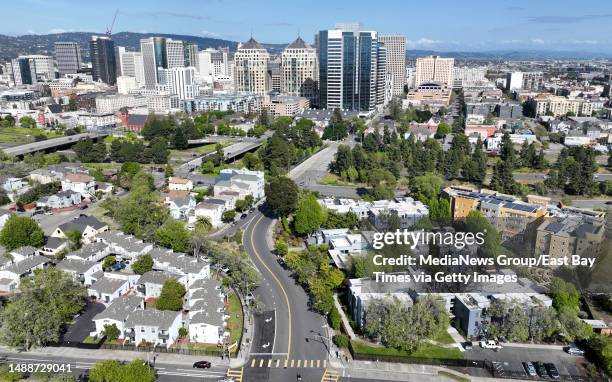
[(465, 76), (434, 69), (214, 63), (125, 84), (160, 52), (68, 57), (190, 54), (251, 68), (299, 70), (42, 67), (396, 60), (132, 66), (179, 81)]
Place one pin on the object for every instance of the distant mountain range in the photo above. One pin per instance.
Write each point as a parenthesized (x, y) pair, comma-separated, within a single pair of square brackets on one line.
[(12, 46)]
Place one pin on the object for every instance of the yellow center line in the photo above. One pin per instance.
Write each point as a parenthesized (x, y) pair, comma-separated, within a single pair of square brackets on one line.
[(277, 281)]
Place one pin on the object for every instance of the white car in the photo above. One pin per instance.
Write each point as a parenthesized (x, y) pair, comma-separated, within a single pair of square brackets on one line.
[(489, 344)]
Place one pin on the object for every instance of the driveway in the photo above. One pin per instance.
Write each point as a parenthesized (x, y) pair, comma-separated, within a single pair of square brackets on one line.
[(83, 325)]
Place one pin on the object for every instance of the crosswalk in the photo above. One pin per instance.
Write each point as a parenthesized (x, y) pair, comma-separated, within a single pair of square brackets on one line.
[(330, 376), (236, 374), (288, 363)]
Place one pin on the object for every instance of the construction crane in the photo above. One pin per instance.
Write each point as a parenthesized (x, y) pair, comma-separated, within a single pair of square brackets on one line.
[(109, 31)]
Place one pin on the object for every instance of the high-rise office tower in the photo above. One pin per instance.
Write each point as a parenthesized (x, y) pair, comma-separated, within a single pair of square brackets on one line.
[(396, 60), (349, 67), (132, 66), (68, 57), (102, 53), (119, 50), (190, 54), (435, 69), (160, 52), (22, 73), (299, 70), (179, 81), (214, 63), (42, 68), (251, 68)]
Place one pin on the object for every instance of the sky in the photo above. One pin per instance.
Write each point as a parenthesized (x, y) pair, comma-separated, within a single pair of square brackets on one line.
[(441, 25)]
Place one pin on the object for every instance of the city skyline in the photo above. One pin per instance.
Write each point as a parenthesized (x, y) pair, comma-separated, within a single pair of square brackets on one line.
[(445, 26)]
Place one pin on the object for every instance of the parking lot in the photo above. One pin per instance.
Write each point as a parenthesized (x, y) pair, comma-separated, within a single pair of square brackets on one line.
[(82, 326), (511, 359)]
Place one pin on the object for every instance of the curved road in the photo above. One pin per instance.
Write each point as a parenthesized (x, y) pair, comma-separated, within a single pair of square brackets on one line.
[(299, 335)]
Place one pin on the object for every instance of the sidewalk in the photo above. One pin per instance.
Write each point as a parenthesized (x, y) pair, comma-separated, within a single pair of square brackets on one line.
[(124, 355), (400, 371)]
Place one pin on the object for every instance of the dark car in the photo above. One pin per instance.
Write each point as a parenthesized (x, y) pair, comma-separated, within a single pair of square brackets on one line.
[(83, 207), (201, 365), (540, 369), (552, 370), (118, 266), (468, 345)]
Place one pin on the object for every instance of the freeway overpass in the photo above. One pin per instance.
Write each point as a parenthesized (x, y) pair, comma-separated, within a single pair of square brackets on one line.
[(49, 144)]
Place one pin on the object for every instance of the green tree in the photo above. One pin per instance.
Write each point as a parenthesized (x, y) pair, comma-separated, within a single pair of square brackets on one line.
[(281, 248), (75, 239), (20, 231), (334, 319), (35, 317), (282, 195), (173, 234), (180, 140), (228, 216), (476, 223), (108, 262), (309, 215), (565, 295), (111, 332), (114, 371), (143, 264), (443, 130), (171, 296), (507, 152), (425, 187), (27, 122)]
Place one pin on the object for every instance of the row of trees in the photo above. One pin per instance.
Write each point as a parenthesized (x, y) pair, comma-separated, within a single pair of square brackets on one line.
[(573, 171), (123, 150), (403, 327)]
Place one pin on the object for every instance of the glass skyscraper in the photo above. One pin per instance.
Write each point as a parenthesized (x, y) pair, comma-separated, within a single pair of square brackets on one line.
[(102, 52)]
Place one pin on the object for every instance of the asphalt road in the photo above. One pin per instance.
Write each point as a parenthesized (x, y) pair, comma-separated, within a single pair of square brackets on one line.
[(80, 366), (300, 336)]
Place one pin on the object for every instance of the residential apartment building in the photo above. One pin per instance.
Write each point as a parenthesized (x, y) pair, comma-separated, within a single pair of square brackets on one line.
[(103, 62), (190, 54), (239, 103), (466, 76), (27, 70), (395, 46), (568, 236), (68, 57), (546, 104), (511, 216), (283, 105), (114, 102), (533, 81), (299, 71), (434, 69), (180, 81), (132, 66), (251, 68), (352, 69)]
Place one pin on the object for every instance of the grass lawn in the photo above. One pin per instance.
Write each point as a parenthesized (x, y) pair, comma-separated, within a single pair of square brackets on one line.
[(235, 323), (15, 138), (334, 180), (27, 131), (424, 351), (453, 376), (92, 340), (444, 338)]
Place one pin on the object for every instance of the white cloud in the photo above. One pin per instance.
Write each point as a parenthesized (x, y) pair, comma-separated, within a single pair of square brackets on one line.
[(210, 34), (57, 30), (538, 41), (422, 42)]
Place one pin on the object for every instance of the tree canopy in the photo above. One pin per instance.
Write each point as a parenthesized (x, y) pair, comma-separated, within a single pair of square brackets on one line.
[(20, 231)]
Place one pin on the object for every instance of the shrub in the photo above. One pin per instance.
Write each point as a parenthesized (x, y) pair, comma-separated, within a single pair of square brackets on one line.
[(341, 340)]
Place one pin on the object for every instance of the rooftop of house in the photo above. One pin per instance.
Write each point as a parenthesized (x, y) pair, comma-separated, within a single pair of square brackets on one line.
[(161, 319), (156, 277), (107, 285), (76, 265), (81, 223), (26, 265), (120, 308)]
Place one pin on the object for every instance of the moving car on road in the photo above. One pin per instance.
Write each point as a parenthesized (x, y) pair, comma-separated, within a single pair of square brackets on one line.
[(201, 365)]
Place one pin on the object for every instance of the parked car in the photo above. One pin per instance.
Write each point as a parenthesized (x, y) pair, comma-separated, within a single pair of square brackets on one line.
[(48, 213), (83, 206), (468, 345), (540, 369), (489, 344), (201, 365), (529, 369), (117, 266), (552, 370), (573, 349)]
